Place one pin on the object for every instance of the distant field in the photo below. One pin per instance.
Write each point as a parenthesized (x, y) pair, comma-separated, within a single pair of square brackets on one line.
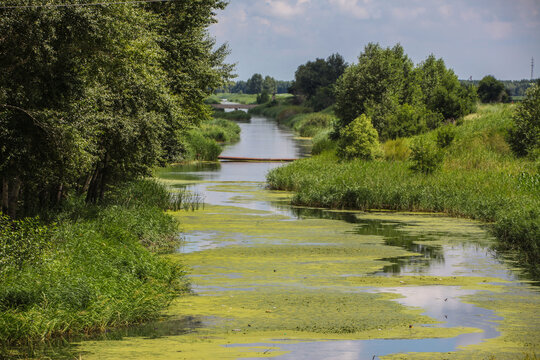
[(243, 98)]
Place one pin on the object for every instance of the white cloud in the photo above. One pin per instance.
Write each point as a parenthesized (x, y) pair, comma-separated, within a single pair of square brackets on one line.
[(498, 29), (446, 11), (407, 13), (284, 9), (353, 8)]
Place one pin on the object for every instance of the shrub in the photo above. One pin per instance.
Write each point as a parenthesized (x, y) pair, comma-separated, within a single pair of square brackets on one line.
[(90, 273), (310, 124), (232, 115), (22, 242), (323, 143), (425, 156), (396, 150), (201, 147), (445, 136), (359, 139), (263, 97), (524, 136)]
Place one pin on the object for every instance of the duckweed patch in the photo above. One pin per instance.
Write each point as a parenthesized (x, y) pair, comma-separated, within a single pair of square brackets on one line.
[(266, 280)]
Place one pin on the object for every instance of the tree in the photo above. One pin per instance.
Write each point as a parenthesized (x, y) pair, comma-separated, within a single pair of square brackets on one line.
[(401, 100), (491, 90), (269, 85), (315, 79), (524, 136), (94, 95), (359, 139), (255, 84), (379, 73)]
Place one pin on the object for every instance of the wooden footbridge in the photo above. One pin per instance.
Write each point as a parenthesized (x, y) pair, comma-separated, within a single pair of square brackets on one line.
[(233, 106), (250, 159)]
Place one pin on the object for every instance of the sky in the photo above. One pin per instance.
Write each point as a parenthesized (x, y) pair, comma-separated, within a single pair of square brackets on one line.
[(474, 37)]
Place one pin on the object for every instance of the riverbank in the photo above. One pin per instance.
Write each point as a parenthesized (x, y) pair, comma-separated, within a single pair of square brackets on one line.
[(94, 268), (480, 179)]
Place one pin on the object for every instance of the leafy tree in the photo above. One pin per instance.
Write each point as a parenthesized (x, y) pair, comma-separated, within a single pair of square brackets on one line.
[(379, 74), (524, 136), (283, 86), (400, 99), (269, 85), (254, 84), (315, 79), (491, 90), (359, 139), (93, 95), (263, 97), (441, 90)]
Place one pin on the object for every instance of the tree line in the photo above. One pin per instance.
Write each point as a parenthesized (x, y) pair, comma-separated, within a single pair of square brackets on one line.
[(258, 84), (94, 95)]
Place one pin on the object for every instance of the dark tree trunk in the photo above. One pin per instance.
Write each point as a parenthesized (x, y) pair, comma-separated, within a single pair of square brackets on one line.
[(59, 194), (14, 197), (5, 195)]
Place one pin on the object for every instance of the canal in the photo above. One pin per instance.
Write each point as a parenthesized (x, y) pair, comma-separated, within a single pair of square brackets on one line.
[(271, 280)]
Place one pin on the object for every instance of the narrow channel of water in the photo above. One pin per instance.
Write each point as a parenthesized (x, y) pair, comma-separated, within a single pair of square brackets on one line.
[(465, 253), (263, 138)]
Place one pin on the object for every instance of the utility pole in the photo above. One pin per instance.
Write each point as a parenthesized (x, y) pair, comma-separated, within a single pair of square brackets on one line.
[(532, 68)]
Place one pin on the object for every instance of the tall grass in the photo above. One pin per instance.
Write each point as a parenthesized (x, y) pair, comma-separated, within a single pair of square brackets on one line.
[(480, 179), (95, 270), (237, 115), (203, 143)]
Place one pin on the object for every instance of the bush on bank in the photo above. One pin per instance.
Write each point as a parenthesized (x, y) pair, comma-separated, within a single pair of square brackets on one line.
[(90, 271)]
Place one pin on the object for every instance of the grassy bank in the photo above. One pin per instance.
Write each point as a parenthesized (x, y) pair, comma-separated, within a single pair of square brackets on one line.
[(203, 143), (96, 267), (480, 179)]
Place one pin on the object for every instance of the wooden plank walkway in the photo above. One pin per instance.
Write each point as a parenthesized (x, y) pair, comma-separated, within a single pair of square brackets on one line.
[(233, 106), (245, 159)]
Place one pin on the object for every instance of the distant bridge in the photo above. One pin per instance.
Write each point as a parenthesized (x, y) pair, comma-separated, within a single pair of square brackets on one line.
[(235, 158), (233, 106)]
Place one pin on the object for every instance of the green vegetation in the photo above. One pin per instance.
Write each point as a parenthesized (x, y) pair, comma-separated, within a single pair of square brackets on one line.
[(238, 97), (358, 139), (402, 100), (479, 178), (92, 99), (309, 125), (90, 270), (237, 115), (425, 156), (314, 81), (94, 95), (203, 143), (491, 90), (247, 87), (524, 136), (281, 110)]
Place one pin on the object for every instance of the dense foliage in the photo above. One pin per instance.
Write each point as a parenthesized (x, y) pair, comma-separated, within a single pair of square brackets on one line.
[(524, 136), (241, 86), (479, 178), (358, 139), (315, 81), (91, 95), (401, 99), (491, 90), (91, 270)]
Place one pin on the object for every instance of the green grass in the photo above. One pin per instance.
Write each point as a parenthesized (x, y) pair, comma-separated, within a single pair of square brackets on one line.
[(238, 98), (94, 269), (480, 179), (203, 142), (237, 115)]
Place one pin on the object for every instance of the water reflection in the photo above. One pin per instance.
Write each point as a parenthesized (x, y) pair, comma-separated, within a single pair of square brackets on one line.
[(470, 256)]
